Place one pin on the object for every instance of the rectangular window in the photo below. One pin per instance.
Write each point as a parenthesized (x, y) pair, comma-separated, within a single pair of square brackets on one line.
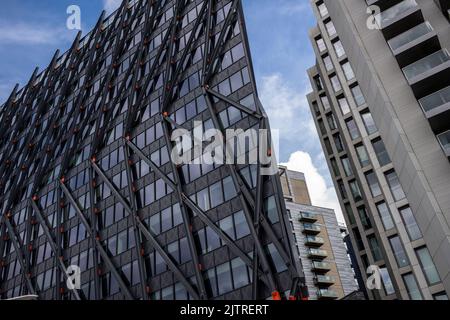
[(387, 282), (380, 150), (336, 83), (394, 185), (374, 186), (322, 10), (216, 194), (338, 142), (335, 167), (348, 71), (224, 278), (321, 44), (325, 102), (330, 28), (352, 129), (344, 106), (385, 216), (428, 267), (410, 224), (331, 122), (339, 49), (358, 95), (412, 287), (369, 123), (399, 251), (365, 220), (347, 166), (363, 156), (375, 248), (328, 63), (356, 192)]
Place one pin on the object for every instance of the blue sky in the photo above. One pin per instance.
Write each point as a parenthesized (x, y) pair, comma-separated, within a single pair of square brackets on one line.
[(31, 31)]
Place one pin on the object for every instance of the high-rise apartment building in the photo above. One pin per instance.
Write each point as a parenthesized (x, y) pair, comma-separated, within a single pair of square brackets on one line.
[(87, 180), (381, 104), (319, 243)]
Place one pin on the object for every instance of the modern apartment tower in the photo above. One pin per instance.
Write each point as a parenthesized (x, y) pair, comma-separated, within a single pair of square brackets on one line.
[(381, 104), (319, 243), (87, 180)]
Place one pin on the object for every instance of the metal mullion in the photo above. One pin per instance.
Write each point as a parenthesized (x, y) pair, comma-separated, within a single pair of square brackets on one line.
[(20, 257), (148, 28), (94, 231), (235, 104), (150, 163), (99, 131), (194, 207), (137, 236), (173, 30), (238, 183), (150, 76), (174, 268), (188, 46), (50, 240), (187, 221), (98, 244), (59, 253), (217, 49), (207, 40)]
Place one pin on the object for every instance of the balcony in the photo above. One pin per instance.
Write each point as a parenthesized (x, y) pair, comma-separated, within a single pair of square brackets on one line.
[(308, 217), (399, 18), (309, 228), (429, 74), (317, 253), (324, 280), (444, 139), (313, 241), (414, 44), (326, 294), (436, 107), (321, 266)]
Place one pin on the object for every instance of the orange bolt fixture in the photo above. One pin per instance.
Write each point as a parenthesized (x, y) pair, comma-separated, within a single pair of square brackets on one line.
[(276, 296)]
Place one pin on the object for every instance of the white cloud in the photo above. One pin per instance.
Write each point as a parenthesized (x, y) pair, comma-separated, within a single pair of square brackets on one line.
[(111, 5), (321, 195), (284, 105), (36, 34)]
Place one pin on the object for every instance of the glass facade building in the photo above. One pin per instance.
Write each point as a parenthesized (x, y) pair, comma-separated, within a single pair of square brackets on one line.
[(87, 180)]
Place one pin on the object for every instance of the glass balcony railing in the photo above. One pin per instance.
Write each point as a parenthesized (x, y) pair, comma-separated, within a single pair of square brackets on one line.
[(386, 17), (309, 227), (435, 100), (429, 62), (321, 265), (444, 139), (324, 279), (410, 35), (317, 253), (325, 293), (307, 216), (314, 240)]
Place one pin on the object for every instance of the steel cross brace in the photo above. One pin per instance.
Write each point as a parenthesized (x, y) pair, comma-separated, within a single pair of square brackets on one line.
[(53, 246), (137, 235), (174, 268), (20, 257), (101, 250), (195, 208)]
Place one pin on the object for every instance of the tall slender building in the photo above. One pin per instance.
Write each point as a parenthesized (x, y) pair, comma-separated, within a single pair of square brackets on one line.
[(319, 243), (88, 188), (381, 106)]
